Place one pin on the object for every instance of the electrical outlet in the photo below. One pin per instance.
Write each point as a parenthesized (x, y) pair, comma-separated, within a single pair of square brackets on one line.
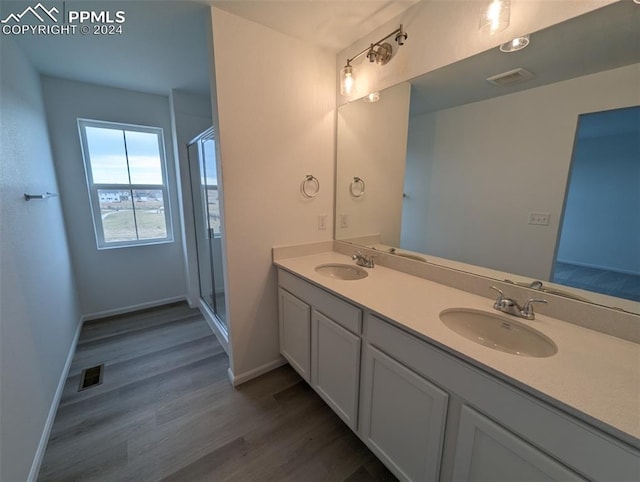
[(322, 222), (344, 220), (540, 219)]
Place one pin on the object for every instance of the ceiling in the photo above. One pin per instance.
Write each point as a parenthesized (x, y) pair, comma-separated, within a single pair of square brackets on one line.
[(602, 39), (332, 24), (164, 44)]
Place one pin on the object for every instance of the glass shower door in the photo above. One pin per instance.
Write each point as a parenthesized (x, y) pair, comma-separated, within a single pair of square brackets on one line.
[(206, 210)]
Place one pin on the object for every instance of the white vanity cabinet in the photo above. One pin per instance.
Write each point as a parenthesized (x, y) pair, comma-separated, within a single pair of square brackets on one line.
[(325, 330), (295, 332), (487, 451), (429, 414), (498, 431), (335, 367), (403, 417)]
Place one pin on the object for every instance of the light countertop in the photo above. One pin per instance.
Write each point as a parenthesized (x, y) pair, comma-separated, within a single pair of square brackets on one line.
[(594, 376)]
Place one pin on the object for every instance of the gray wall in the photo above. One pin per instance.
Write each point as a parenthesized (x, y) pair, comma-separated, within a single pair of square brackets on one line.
[(39, 310), (111, 280)]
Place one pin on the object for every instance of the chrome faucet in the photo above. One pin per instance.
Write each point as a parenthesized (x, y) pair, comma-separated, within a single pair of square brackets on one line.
[(363, 260), (511, 306), (534, 285)]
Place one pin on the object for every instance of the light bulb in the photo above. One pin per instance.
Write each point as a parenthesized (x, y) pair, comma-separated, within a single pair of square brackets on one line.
[(516, 44), (372, 97), (495, 16), (347, 80)]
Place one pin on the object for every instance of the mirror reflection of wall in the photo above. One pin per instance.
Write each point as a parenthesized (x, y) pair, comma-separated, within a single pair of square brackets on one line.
[(475, 172), (599, 245), (372, 146), (487, 166)]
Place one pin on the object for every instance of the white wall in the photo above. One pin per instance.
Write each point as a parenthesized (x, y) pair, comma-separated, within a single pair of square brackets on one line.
[(469, 195), (442, 32), (372, 145), (190, 115), (39, 309), (111, 280), (276, 109)]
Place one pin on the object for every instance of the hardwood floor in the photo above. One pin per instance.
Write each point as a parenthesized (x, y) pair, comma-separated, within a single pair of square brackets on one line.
[(166, 411)]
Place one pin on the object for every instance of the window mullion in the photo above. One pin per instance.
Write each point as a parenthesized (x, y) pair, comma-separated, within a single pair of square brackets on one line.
[(133, 201)]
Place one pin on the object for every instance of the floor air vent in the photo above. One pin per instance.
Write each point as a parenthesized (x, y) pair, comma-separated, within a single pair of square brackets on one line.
[(510, 78), (91, 377)]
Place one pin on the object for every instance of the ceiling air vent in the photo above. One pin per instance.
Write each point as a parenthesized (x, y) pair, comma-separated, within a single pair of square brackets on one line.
[(511, 78)]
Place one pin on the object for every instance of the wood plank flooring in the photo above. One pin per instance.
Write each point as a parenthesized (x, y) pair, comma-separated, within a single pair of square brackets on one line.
[(166, 411)]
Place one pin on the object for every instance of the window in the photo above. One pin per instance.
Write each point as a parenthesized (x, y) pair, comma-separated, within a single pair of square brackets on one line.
[(126, 175)]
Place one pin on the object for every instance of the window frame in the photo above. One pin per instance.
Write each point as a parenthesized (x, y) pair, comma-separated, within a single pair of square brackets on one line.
[(93, 188)]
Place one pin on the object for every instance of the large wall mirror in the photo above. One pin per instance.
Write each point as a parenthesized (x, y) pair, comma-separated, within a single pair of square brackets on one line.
[(535, 178)]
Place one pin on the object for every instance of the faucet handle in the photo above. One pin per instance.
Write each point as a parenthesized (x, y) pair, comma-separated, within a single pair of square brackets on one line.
[(500, 295), (527, 309), (500, 300)]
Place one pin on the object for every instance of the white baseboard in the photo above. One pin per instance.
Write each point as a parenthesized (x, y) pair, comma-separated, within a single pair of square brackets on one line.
[(129, 309), (46, 432), (256, 372)]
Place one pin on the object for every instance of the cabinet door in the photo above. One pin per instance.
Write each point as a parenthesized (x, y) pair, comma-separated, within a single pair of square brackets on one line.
[(295, 332), (403, 417), (336, 367), (486, 451)]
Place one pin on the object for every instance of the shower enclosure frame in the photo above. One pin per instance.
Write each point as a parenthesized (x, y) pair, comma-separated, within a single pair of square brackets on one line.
[(211, 275)]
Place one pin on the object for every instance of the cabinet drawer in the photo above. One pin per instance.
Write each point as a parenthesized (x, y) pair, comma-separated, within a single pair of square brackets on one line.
[(338, 310)]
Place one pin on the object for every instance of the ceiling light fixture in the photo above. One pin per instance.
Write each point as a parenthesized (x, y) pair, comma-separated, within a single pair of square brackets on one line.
[(516, 44), (372, 97), (379, 52), (495, 16)]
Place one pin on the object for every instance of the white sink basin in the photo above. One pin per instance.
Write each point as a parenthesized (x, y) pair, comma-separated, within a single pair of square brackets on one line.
[(498, 332), (341, 271)]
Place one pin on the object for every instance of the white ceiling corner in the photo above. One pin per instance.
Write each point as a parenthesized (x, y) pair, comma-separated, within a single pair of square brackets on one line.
[(333, 25)]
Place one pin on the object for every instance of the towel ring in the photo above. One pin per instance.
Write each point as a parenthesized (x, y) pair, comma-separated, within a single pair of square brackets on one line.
[(29, 197), (316, 186), (357, 180)]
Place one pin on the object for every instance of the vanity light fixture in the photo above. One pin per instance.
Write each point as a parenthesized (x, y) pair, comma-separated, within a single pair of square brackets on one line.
[(347, 80), (379, 52), (495, 16), (516, 44)]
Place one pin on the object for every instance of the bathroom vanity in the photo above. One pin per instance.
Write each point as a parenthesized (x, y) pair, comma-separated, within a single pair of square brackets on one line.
[(434, 405)]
